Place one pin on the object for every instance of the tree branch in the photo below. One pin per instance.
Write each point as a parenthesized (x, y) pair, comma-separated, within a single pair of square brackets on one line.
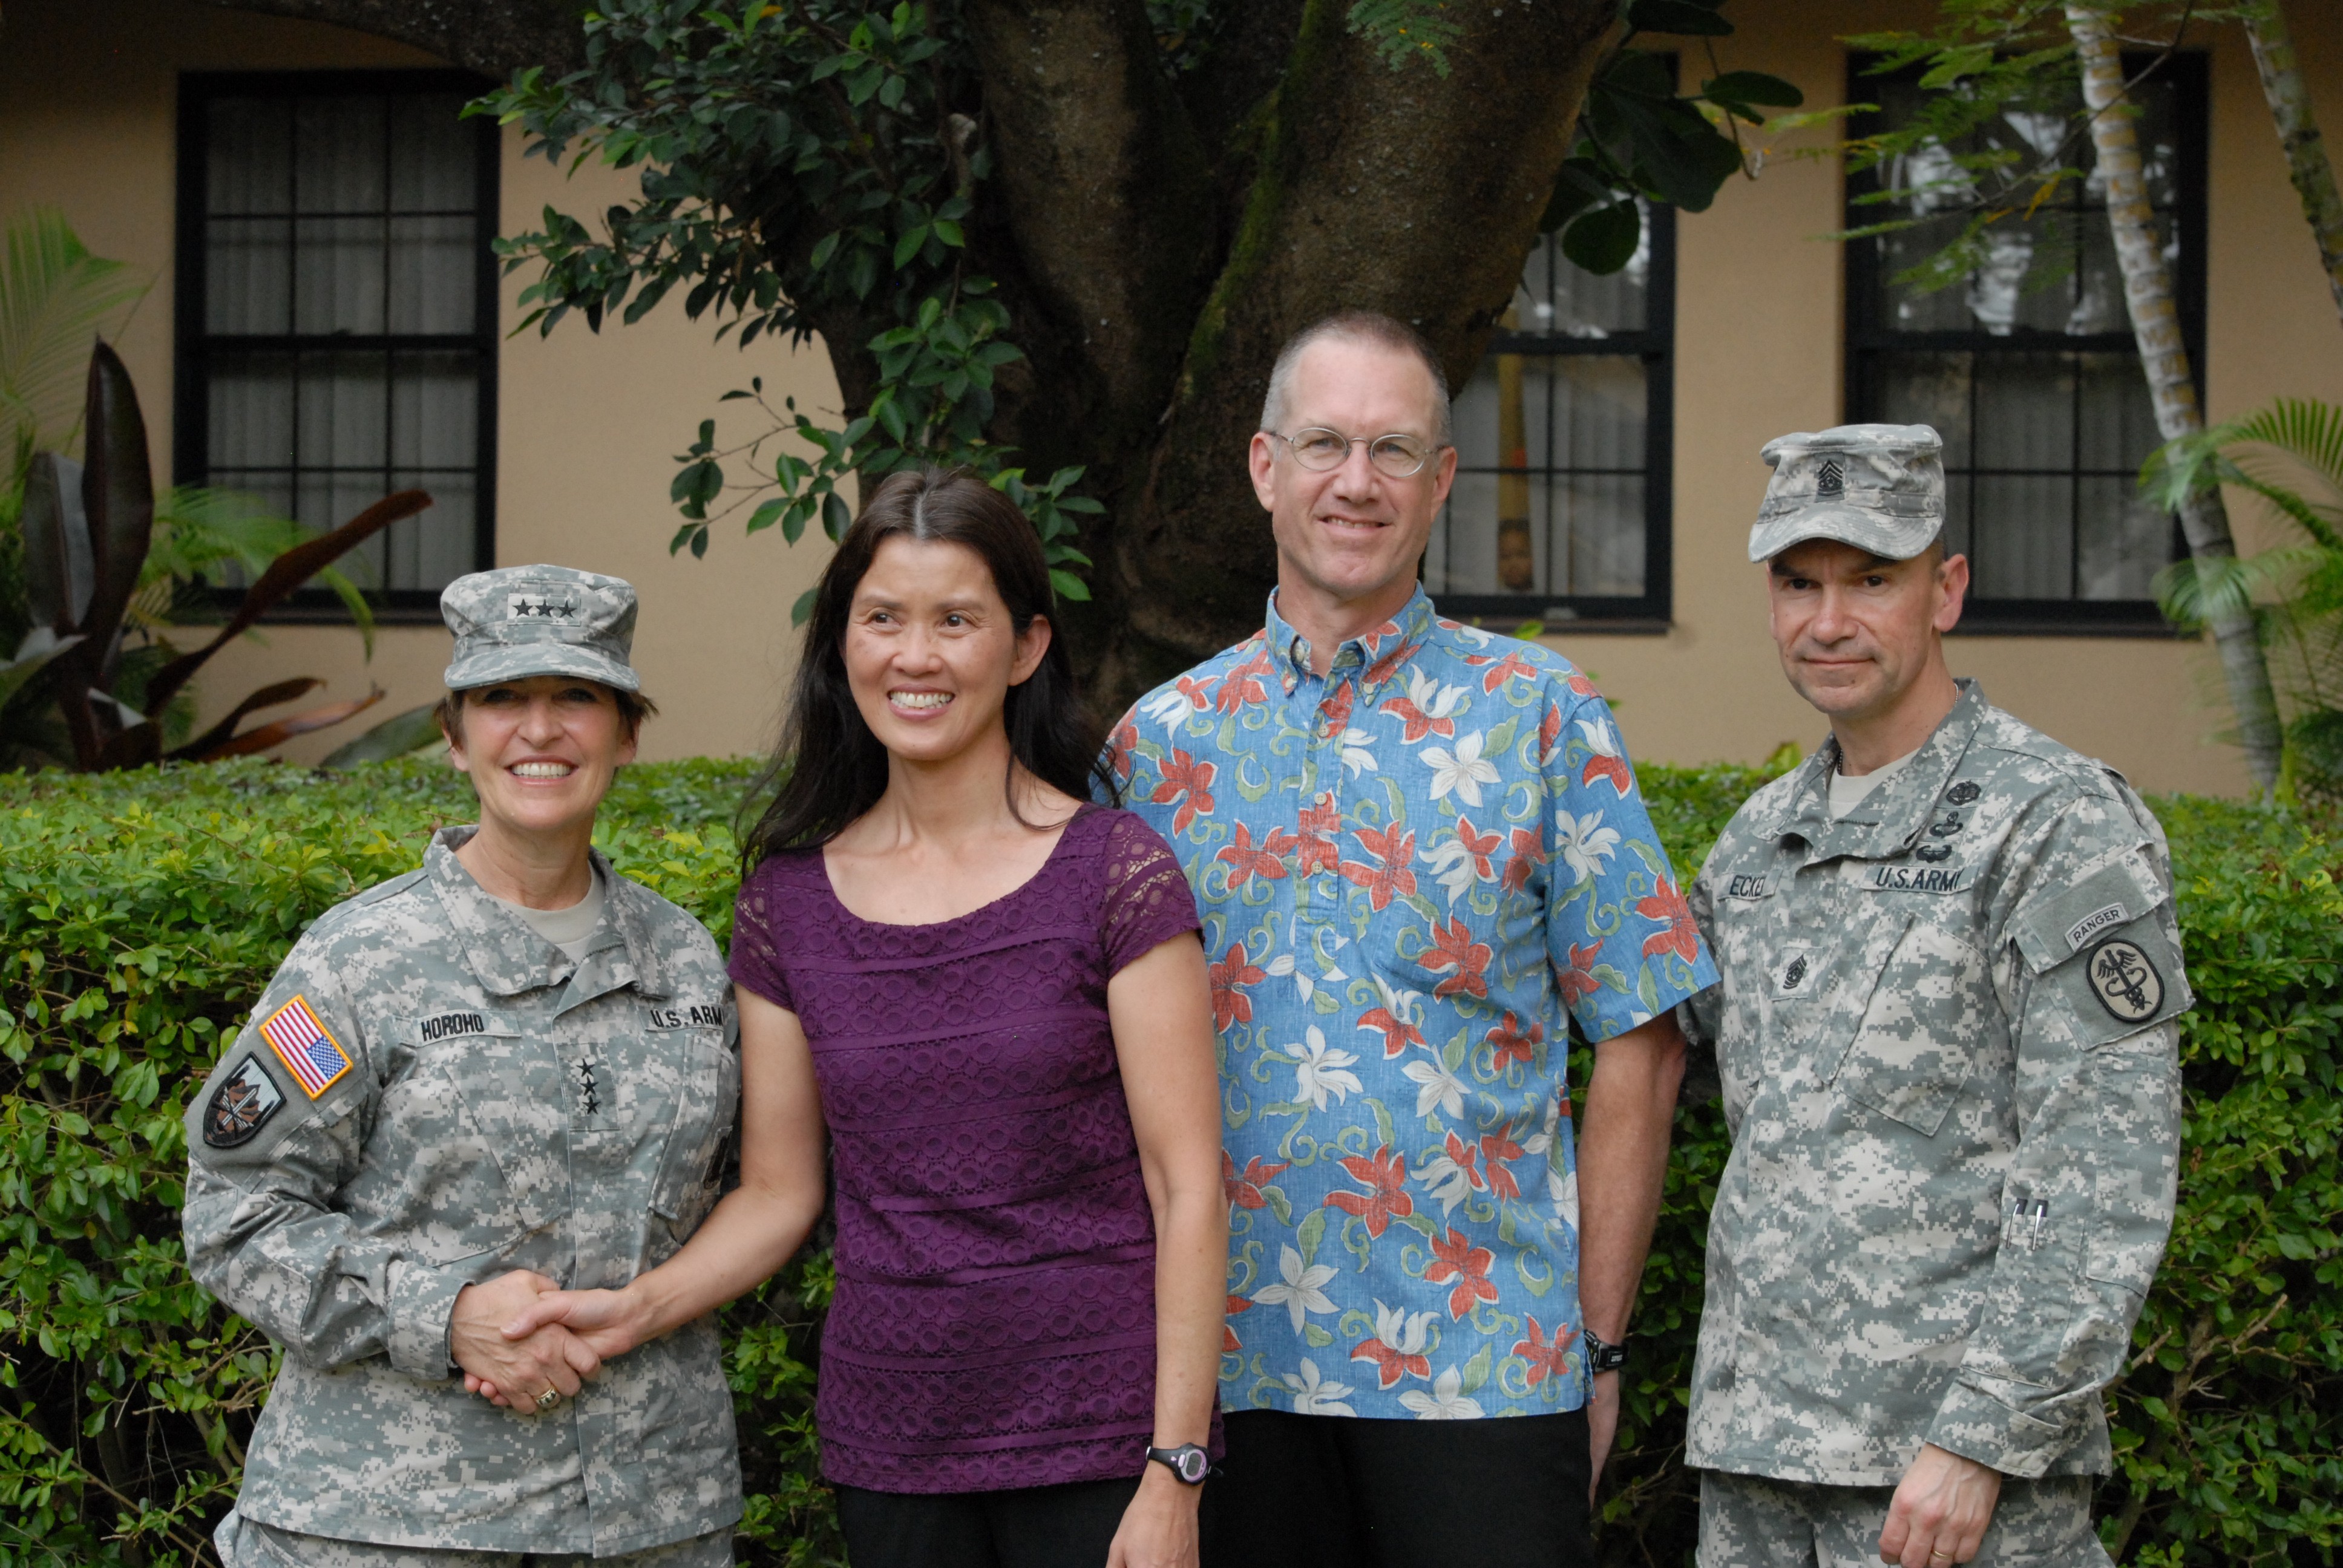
[(496, 37)]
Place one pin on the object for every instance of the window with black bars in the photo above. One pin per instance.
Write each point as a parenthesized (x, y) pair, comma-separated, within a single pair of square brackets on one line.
[(2029, 368), (337, 311), (1561, 506)]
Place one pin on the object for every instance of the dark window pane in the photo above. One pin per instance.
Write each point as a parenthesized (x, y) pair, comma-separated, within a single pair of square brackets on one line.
[(1930, 389), (1556, 297), (2025, 411), (2022, 538)]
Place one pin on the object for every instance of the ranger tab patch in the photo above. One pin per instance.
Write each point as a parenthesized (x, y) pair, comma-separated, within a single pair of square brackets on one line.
[(315, 1058), (241, 1106), (2096, 921)]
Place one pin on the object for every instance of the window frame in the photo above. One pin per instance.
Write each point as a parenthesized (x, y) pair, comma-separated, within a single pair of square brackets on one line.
[(193, 346), (1869, 346), (1653, 343)]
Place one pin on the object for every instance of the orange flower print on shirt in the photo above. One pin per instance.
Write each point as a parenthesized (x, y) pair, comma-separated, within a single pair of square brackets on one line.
[(1394, 849), (1578, 981), (1545, 1360), (1457, 1258), (1383, 1174), (1244, 683), (1397, 1032), (1682, 935), (1184, 776), (1505, 669), (1262, 859), (1231, 1005), (1524, 857), (1514, 1042), (1321, 826), (1245, 1192), (1496, 1149), (1230, 1343), (1453, 948)]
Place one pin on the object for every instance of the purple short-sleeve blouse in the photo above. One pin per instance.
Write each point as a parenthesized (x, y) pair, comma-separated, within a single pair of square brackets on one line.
[(994, 1323)]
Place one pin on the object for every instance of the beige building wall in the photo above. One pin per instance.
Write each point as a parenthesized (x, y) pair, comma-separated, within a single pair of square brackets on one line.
[(1760, 346), (587, 425)]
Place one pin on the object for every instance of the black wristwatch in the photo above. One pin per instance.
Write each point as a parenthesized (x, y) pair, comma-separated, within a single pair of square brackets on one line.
[(1187, 1462), (1600, 1355)]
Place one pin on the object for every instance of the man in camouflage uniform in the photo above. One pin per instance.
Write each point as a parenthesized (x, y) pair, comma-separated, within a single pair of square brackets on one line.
[(1947, 1042), (437, 1110)]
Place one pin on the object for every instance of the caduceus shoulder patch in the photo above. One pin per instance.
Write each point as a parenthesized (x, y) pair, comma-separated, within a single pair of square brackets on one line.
[(2125, 979), (241, 1106)]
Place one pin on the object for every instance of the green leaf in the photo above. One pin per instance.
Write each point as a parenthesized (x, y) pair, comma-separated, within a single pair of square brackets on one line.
[(1752, 87), (1069, 586), (836, 518), (1604, 240)]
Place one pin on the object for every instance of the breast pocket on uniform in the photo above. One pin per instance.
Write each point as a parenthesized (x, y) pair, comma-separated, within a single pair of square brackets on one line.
[(1917, 1032), (479, 1097), (707, 1094)]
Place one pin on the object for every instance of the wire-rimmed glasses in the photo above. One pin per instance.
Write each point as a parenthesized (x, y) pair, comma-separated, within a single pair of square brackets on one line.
[(1397, 455)]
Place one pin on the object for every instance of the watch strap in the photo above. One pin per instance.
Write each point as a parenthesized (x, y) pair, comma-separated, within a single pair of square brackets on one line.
[(1600, 1355)]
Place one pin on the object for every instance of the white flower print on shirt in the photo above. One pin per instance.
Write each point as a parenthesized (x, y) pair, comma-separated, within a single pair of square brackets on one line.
[(1358, 752), (1301, 1290), (1313, 1397), (1584, 842), (1446, 1401), (1322, 1073), (1463, 771), (1435, 1085)]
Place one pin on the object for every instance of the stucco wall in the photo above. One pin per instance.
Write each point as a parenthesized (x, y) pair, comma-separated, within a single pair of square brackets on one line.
[(1760, 343), (586, 426)]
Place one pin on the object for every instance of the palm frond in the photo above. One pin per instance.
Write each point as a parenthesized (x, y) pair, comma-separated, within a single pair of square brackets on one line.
[(54, 297)]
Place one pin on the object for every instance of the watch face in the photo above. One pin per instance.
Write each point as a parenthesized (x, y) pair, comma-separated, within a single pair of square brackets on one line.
[(1191, 1466)]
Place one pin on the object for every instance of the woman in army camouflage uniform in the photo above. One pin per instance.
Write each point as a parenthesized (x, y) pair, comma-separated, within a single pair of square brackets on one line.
[(511, 1071)]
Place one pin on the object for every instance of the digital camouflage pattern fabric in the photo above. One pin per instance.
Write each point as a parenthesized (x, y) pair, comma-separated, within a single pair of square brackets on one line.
[(503, 1108), (1414, 874), (1750, 1522), (248, 1543), (519, 621), (1948, 1052)]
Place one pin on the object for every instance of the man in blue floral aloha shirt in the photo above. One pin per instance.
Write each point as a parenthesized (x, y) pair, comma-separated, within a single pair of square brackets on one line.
[(1419, 857)]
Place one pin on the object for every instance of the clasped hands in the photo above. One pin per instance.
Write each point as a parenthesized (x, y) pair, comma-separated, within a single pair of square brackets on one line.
[(520, 1335)]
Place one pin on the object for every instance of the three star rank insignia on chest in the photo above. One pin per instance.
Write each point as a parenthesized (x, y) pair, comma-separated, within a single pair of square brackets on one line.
[(313, 1057)]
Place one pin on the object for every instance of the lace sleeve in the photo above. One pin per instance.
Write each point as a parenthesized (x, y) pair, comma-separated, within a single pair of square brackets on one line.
[(1148, 901), (756, 963)]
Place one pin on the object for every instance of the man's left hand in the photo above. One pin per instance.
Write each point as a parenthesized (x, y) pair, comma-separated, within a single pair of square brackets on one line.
[(1602, 1426), (1940, 1511)]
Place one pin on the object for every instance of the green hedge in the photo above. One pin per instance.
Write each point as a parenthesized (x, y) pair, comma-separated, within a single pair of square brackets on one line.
[(140, 916)]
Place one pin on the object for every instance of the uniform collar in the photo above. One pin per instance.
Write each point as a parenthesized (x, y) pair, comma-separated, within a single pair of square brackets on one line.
[(1379, 654), (507, 957), (1891, 817)]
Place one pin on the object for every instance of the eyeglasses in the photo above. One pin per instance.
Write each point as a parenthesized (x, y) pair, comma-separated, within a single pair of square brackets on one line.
[(1395, 455)]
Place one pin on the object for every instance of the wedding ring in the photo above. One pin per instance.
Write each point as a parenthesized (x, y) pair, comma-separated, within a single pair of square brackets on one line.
[(548, 1400)]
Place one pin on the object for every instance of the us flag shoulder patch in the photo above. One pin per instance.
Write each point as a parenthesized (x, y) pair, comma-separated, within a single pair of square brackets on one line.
[(314, 1058)]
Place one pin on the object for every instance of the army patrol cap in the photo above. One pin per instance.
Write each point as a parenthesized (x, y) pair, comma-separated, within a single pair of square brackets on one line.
[(518, 621), (1879, 487)]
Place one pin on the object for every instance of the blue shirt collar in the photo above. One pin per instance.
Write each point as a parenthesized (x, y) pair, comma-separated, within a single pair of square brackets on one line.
[(1379, 654)]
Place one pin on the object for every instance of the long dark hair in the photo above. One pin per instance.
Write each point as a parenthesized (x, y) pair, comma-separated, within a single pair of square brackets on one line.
[(828, 768)]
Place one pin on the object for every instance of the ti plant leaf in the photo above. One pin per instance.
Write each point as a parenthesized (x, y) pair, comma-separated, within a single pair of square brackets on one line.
[(393, 736)]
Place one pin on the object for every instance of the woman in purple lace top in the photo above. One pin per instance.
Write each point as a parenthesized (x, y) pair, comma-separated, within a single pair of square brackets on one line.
[(990, 998)]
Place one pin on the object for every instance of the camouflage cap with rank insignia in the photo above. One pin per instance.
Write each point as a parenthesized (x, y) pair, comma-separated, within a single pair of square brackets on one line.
[(519, 621), (1879, 487)]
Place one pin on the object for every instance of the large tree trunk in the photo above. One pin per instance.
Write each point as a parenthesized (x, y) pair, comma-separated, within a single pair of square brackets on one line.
[(1157, 240), (2164, 356), (2297, 134)]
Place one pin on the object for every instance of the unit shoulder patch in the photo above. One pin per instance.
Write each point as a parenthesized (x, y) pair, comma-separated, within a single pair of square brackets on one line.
[(241, 1106), (2126, 980)]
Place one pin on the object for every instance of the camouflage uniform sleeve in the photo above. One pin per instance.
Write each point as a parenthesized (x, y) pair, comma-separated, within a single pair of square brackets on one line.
[(267, 1159), (2089, 964), (1701, 1015)]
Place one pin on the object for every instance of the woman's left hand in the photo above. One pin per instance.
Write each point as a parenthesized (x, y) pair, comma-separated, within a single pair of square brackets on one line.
[(1158, 1528)]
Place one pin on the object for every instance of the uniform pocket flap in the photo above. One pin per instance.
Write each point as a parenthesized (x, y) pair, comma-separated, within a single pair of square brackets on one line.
[(1914, 1038), (2057, 923)]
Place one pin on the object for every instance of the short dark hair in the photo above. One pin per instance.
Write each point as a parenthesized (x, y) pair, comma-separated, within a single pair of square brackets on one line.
[(633, 709), (829, 768), (1359, 326)]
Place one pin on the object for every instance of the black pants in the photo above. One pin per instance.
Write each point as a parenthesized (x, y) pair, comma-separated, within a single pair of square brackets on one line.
[(1334, 1491), (1068, 1526)]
